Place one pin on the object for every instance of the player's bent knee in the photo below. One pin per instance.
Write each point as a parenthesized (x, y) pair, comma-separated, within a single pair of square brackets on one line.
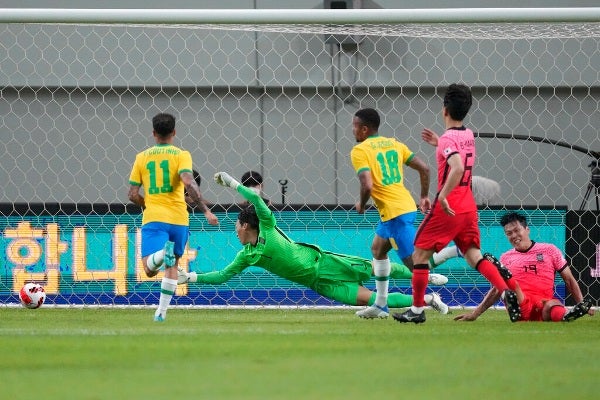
[(553, 311), (150, 273)]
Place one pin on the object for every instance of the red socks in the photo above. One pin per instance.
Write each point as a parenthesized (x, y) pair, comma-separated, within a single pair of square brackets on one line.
[(419, 281), (557, 313), (511, 283), (491, 273)]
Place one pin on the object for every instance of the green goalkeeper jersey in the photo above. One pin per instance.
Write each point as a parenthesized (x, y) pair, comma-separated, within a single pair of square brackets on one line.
[(333, 275), (274, 251)]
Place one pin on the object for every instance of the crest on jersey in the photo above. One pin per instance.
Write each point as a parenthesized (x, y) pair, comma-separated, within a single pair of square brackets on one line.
[(539, 257)]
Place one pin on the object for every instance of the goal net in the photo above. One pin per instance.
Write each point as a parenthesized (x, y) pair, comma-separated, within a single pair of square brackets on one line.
[(76, 101)]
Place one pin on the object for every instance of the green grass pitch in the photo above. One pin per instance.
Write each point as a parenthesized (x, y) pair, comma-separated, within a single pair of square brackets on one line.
[(97, 353)]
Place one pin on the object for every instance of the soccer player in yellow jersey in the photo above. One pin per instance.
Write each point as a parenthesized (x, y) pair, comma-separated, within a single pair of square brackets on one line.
[(378, 162), (164, 171)]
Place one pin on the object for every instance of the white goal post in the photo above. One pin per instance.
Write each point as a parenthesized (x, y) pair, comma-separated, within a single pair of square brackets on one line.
[(299, 16), (274, 91)]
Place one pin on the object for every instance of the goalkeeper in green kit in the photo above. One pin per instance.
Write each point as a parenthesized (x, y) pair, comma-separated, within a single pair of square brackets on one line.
[(336, 276)]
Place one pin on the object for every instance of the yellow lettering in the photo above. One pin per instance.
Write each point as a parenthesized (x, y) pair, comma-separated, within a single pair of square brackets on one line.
[(48, 279), (30, 256), (24, 230), (24, 250), (118, 273), (54, 247)]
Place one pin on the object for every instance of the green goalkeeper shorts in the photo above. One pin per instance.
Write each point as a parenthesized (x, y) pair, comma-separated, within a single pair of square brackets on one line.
[(339, 276)]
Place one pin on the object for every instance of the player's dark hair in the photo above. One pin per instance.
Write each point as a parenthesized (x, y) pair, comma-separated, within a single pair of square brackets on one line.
[(369, 117), (248, 215), (513, 217), (163, 124), (252, 178), (458, 100)]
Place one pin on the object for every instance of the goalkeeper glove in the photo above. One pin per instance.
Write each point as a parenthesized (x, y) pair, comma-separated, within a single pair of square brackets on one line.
[(185, 277), (224, 179)]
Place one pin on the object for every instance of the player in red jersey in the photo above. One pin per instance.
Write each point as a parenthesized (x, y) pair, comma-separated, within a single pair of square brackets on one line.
[(533, 267), (453, 215)]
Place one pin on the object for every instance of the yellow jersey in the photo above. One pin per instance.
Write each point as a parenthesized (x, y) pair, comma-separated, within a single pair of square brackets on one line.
[(157, 169), (385, 158)]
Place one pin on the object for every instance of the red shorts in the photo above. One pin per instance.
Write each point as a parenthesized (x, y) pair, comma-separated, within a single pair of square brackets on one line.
[(438, 229), (531, 308)]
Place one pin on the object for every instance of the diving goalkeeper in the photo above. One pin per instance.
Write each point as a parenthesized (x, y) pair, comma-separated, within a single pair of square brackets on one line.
[(338, 277)]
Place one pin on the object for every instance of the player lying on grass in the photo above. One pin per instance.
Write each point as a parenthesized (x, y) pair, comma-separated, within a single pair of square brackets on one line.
[(529, 269), (339, 277)]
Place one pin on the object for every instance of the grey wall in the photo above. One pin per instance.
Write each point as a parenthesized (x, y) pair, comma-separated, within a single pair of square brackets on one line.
[(75, 104)]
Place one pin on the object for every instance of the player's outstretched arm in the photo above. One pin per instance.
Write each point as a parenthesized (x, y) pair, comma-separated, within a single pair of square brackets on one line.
[(224, 179), (573, 287), (214, 277), (489, 300), (265, 215), (194, 194), (210, 278), (185, 277)]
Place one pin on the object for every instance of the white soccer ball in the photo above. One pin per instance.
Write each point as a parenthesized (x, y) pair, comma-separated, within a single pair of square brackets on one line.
[(32, 295)]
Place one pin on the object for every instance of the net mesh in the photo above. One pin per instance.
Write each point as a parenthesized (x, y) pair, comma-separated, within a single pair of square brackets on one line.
[(76, 102)]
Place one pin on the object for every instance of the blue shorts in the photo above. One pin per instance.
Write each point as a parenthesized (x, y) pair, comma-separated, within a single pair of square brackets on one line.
[(400, 231), (156, 234)]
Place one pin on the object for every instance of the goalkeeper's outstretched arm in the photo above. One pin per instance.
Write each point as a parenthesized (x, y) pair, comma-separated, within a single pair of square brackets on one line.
[(215, 277), (224, 179), (263, 212)]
